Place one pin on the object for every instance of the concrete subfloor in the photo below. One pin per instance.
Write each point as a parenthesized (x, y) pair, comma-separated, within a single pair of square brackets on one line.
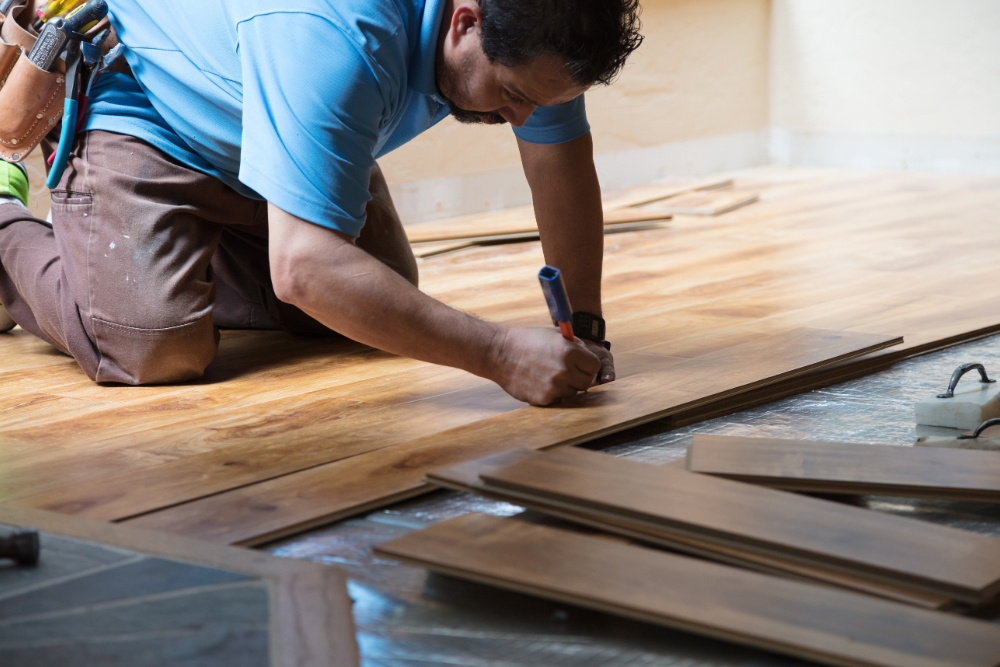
[(408, 618)]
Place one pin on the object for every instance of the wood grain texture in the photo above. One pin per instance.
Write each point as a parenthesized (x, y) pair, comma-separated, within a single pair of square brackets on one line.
[(348, 484), (842, 468), (914, 555), (705, 203), (465, 477), (813, 622), (863, 253)]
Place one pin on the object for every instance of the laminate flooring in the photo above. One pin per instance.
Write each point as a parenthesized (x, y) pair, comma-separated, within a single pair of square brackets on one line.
[(663, 500), (813, 622), (467, 477), (285, 432), (844, 468)]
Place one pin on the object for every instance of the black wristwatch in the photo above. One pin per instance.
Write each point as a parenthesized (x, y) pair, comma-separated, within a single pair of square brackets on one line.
[(588, 326)]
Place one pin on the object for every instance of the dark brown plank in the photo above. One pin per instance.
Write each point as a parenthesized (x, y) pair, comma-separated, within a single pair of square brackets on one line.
[(843, 468), (903, 552), (813, 622), (465, 477)]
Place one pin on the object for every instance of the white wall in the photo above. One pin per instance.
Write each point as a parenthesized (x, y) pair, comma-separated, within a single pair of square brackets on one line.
[(894, 84)]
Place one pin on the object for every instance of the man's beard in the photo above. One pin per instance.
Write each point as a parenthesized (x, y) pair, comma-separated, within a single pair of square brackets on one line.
[(451, 82), (474, 117)]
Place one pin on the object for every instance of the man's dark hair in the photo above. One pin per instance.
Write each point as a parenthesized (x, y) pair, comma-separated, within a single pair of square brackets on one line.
[(595, 37)]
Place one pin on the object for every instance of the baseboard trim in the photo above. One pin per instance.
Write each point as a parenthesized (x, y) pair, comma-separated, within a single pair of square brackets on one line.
[(958, 155)]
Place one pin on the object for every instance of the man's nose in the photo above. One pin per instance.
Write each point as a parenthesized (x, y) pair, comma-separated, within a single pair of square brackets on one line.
[(517, 115)]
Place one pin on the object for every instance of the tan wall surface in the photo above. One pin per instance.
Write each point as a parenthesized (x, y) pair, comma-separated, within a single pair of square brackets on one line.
[(702, 71)]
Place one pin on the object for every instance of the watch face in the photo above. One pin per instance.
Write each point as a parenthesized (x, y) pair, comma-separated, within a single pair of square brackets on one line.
[(588, 326)]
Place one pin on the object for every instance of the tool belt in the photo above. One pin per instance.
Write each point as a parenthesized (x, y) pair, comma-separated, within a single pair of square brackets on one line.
[(31, 100)]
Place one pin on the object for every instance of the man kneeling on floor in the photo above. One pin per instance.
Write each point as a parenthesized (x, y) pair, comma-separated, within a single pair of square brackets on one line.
[(227, 178)]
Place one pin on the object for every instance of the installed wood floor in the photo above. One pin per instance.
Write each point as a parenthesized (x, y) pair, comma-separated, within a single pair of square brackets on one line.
[(286, 432)]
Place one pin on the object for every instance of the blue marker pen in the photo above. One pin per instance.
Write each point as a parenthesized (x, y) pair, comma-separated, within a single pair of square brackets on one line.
[(558, 302)]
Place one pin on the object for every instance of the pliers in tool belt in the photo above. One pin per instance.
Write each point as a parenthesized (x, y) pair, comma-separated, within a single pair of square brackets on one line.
[(64, 37)]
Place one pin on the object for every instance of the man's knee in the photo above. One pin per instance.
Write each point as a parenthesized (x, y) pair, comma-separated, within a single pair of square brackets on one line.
[(136, 356)]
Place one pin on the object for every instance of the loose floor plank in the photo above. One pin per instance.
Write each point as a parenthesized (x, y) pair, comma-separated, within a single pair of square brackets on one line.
[(465, 477), (813, 622), (520, 221), (842, 468), (914, 555), (705, 203), (506, 225), (628, 220), (658, 191)]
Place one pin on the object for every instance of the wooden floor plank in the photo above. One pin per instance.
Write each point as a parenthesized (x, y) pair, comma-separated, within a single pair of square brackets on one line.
[(843, 468), (915, 555), (465, 477), (346, 486), (521, 220), (705, 203), (813, 622)]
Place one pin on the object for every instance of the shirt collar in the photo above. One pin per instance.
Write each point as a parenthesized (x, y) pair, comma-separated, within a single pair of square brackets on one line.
[(421, 76)]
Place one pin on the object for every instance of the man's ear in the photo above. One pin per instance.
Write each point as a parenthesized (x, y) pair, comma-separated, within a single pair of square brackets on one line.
[(466, 21)]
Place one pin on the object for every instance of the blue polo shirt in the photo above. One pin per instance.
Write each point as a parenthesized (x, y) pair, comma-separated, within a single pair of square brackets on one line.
[(291, 101)]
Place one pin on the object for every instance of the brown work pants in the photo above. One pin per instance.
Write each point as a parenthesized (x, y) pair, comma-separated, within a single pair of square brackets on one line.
[(146, 259)]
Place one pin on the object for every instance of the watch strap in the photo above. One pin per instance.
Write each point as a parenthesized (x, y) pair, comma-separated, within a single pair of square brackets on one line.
[(588, 326)]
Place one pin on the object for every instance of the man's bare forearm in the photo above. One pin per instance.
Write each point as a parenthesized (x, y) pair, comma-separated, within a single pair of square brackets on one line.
[(567, 201), (331, 279), (326, 275)]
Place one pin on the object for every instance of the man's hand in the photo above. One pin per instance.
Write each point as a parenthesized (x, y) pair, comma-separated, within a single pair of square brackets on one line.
[(539, 366)]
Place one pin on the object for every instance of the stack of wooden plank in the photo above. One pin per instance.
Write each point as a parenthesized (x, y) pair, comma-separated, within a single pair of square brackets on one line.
[(637, 208), (772, 531), (844, 468), (856, 588)]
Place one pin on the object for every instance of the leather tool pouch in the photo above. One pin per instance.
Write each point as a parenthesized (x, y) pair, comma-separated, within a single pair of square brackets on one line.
[(31, 100)]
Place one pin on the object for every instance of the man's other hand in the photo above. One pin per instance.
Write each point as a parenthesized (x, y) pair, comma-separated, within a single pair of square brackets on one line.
[(539, 366)]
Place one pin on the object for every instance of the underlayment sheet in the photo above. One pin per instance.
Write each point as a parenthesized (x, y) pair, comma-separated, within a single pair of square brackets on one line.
[(407, 616)]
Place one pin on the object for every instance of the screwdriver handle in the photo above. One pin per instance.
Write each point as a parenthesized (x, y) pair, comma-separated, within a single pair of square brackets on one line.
[(78, 19)]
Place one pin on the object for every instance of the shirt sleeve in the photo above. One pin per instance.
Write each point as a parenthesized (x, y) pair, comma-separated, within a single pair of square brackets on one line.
[(556, 124), (311, 112)]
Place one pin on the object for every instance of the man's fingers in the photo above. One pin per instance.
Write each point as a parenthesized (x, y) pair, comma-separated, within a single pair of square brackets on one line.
[(586, 360), (607, 373)]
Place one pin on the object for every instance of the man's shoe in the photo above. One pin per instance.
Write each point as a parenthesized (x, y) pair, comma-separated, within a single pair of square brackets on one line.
[(14, 182), (6, 323)]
